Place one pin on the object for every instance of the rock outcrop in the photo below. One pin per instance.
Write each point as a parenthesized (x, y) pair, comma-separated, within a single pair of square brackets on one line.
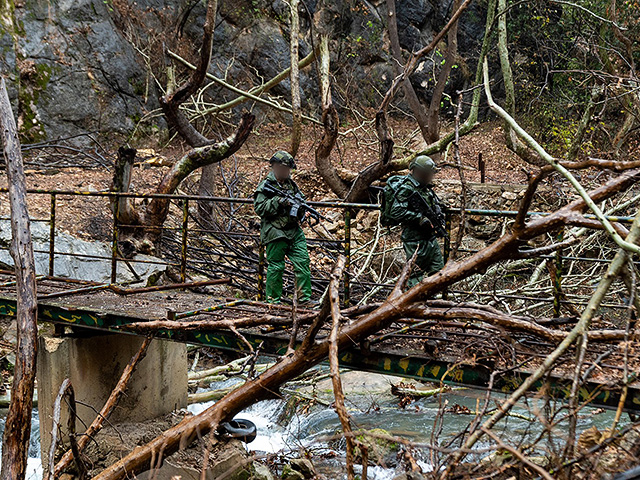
[(78, 66)]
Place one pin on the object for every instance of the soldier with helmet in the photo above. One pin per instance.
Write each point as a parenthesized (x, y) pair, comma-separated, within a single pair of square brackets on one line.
[(414, 205), (280, 232)]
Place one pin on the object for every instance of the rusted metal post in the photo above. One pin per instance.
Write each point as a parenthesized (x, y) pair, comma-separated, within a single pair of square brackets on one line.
[(261, 259), (52, 235), (114, 244), (447, 244), (447, 237), (347, 254), (557, 284), (185, 233)]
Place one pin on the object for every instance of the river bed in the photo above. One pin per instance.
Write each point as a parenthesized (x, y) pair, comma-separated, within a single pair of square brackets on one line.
[(315, 431)]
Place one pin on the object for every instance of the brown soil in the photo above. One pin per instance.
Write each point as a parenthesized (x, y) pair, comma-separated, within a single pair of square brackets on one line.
[(89, 217)]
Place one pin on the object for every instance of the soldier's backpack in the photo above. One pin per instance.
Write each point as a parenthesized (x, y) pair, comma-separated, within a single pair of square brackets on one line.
[(387, 198)]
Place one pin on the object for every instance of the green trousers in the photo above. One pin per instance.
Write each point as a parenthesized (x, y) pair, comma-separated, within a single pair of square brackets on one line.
[(429, 259), (296, 250)]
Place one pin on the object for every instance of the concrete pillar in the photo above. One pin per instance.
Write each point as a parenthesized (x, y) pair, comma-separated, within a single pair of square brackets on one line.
[(94, 366)]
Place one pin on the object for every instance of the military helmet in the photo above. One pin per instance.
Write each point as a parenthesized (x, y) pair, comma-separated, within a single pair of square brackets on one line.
[(283, 158), (423, 162)]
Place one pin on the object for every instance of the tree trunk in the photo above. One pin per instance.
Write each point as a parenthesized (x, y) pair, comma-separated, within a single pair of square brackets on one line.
[(158, 208), (433, 114), (171, 102), (398, 62), (512, 140), (207, 188), (330, 120), (358, 191), (471, 121), (296, 128), (121, 183), (15, 441)]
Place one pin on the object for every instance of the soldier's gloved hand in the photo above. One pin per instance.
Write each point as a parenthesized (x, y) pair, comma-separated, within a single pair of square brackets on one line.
[(285, 202), (425, 222)]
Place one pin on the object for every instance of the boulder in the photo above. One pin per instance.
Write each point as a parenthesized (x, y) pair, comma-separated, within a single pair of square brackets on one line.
[(84, 265), (380, 451), (304, 466), (288, 473), (356, 384)]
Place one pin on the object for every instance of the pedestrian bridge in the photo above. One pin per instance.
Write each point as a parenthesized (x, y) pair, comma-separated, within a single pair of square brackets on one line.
[(226, 251)]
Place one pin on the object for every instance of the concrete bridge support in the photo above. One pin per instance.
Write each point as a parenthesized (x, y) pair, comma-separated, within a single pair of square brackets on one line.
[(94, 365)]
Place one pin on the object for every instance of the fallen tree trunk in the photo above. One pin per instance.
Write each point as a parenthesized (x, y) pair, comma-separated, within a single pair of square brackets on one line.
[(15, 440), (312, 352)]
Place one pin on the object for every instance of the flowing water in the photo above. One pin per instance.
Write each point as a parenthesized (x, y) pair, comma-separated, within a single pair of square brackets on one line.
[(316, 430), (34, 465)]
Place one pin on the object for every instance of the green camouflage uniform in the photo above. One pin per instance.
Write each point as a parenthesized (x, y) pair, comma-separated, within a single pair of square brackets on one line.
[(414, 236), (282, 237)]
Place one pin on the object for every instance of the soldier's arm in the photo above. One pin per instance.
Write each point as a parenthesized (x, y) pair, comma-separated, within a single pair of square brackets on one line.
[(400, 211), (266, 207)]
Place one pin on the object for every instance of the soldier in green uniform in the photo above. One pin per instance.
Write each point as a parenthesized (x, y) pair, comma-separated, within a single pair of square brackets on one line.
[(281, 233), (419, 231)]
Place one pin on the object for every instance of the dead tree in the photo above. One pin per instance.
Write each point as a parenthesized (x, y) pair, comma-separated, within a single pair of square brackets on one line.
[(330, 119), (15, 441), (377, 170), (398, 62), (450, 57), (296, 124), (204, 152), (398, 305)]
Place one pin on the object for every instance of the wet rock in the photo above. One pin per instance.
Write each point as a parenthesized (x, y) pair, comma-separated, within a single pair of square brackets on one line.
[(261, 472), (357, 384), (304, 466), (380, 451), (288, 473), (84, 265)]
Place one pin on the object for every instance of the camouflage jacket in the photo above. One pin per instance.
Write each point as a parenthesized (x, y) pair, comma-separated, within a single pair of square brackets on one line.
[(402, 212), (275, 222)]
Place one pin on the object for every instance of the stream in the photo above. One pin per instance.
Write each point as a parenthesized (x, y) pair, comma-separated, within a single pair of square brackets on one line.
[(313, 431), (34, 465)]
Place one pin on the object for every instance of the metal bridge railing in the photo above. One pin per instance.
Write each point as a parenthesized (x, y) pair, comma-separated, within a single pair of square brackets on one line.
[(190, 236)]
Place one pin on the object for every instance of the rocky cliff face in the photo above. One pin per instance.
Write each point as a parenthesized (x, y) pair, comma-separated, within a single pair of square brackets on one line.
[(78, 66)]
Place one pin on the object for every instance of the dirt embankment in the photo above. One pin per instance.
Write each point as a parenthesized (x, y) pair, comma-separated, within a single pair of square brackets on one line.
[(89, 217)]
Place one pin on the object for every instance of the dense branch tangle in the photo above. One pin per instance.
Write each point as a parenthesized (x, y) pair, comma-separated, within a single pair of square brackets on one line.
[(399, 305)]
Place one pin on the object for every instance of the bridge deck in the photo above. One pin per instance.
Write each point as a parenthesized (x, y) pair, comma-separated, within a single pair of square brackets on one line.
[(450, 352)]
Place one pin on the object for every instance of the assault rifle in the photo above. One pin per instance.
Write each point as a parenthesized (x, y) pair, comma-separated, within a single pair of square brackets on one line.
[(300, 209), (417, 203)]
